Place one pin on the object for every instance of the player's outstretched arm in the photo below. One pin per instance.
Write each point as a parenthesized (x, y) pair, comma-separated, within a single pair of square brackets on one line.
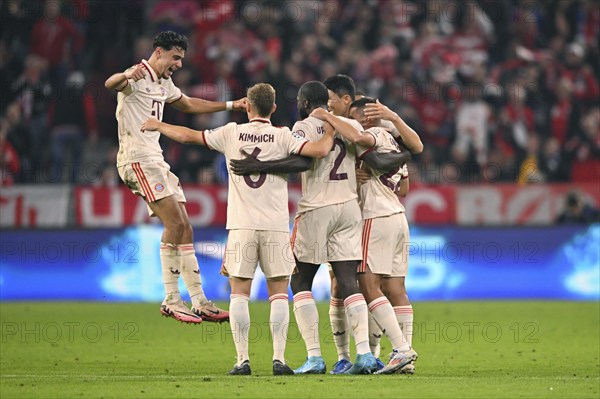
[(118, 81), (251, 165), (193, 105), (410, 138), (181, 134), (344, 128), (386, 162)]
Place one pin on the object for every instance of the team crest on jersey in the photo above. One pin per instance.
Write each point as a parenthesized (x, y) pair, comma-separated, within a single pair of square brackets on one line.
[(299, 134), (159, 187), (162, 91)]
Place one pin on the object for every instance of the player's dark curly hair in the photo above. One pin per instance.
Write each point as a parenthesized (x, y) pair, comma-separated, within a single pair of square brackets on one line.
[(341, 85), (169, 39), (315, 92)]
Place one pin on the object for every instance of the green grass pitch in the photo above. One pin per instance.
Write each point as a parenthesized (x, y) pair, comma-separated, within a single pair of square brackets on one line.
[(466, 349)]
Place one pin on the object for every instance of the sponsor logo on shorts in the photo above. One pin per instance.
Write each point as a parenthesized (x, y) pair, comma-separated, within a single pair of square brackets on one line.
[(159, 187)]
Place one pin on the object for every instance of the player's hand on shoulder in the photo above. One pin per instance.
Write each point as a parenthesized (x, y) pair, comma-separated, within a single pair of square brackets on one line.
[(319, 113), (151, 124), (362, 176), (136, 73), (378, 111), (241, 104), (246, 166)]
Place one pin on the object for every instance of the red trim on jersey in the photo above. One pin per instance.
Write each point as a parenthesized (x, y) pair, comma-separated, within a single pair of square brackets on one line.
[(204, 139), (260, 120), (374, 138), (149, 69), (294, 231), (301, 147), (366, 233), (139, 173), (178, 98)]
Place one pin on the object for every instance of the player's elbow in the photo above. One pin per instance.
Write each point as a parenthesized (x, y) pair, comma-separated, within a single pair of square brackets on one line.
[(418, 148), (321, 153)]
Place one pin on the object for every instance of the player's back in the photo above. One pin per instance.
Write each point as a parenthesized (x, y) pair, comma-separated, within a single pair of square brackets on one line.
[(378, 196), (260, 201), (332, 179)]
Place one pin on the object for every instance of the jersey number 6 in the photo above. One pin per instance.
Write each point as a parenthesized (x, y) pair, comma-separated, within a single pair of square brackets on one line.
[(263, 176)]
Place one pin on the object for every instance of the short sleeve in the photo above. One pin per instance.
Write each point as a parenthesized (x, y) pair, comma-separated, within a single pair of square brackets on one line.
[(217, 139), (377, 135), (174, 92), (294, 142), (303, 130)]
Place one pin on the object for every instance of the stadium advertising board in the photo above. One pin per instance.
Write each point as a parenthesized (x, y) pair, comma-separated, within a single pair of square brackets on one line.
[(445, 263)]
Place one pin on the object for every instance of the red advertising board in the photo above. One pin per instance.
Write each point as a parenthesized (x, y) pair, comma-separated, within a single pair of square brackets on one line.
[(467, 205)]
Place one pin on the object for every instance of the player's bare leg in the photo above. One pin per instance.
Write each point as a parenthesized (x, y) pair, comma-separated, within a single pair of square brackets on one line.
[(395, 290), (279, 321), (174, 221), (307, 317), (190, 271), (239, 319), (339, 329), (383, 313), (357, 314)]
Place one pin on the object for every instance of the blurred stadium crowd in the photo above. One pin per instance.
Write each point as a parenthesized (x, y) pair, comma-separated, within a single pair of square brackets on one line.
[(501, 90)]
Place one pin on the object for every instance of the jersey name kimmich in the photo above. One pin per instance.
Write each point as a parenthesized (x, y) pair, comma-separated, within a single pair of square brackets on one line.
[(257, 138)]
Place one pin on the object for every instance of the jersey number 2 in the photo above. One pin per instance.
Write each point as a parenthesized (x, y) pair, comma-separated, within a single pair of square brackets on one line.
[(334, 175)]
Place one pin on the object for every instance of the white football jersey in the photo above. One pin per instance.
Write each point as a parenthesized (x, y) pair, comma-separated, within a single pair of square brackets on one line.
[(331, 180), (256, 202), (378, 196), (137, 102)]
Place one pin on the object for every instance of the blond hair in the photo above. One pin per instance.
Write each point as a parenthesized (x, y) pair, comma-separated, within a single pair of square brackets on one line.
[(262, 98)]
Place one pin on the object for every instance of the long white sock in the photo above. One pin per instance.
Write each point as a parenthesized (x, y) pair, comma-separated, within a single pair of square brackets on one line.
[(307, 317), (358, 319), (339, 328), (171, 269), (383, 313), (375, 334), (190, 271), (279, 322), (404, 316), (239, 320)]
